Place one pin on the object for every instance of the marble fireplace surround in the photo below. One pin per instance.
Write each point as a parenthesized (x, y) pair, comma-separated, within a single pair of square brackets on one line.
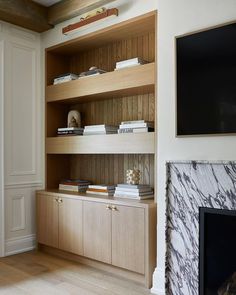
[(191, 185)]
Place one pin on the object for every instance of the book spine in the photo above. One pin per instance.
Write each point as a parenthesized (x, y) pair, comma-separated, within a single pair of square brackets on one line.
[(137, 125), (129, 61), (132, 122)]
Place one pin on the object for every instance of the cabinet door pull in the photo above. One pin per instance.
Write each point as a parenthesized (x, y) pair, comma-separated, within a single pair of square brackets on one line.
[(60, 200), (56, 200), (113, 208), (108, 207)]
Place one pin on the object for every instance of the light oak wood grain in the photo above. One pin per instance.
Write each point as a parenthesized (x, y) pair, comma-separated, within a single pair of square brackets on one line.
[(40, 273), (47, 220), (119, 232), (130, 143), (134, 27), (128, 238), (129, 81), (97, 231), (71, 225)]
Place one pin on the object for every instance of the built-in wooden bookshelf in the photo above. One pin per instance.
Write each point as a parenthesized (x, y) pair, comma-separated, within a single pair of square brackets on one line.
[(127, 94), (129, 82), (128, 227)]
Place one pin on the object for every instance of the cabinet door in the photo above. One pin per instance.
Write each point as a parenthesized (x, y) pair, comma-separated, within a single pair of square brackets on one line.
[(97, 231), (70, 225), (128, 238), (47, 220)]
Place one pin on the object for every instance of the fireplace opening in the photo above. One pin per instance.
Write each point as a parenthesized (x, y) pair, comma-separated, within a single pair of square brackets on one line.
[(217, 252)]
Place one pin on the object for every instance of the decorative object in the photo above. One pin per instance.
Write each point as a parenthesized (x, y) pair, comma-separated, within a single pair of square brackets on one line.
[(88, 21), (74, 119), (133, 176)]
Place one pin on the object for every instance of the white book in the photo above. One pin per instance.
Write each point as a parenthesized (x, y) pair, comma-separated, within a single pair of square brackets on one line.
[(103, 126), (136, 125), (126, 193), (134, 190), (127, 66), (136, 60), (100, 193), (135, 130), (127, 185), (100, 133), (134, 198), (102, 186), (132, 122), (70, 129)]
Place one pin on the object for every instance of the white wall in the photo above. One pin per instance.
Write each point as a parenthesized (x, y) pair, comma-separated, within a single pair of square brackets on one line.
[(21, 108), (177, 18)]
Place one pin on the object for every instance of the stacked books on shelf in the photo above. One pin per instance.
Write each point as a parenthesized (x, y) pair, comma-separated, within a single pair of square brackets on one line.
[(133, 191), (74, 185), (70, 131), (93, 71), (105, 190), (100, 129), (65, 78), (136, 126), (130, 63)]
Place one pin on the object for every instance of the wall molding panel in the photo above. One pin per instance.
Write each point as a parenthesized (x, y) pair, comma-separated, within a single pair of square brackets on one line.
[(20, 244), (37, 184), (23, 135), (18, 213)]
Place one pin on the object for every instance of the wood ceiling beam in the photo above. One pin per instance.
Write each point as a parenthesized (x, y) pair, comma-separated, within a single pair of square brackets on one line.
[(25, 13), (68, 9)]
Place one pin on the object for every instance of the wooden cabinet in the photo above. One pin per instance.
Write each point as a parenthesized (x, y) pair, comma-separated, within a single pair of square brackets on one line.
[(59, 223), (47, 220), (120, 233), (97, 231), (114, 234), (108, 230), (70, 226), (128, 238)]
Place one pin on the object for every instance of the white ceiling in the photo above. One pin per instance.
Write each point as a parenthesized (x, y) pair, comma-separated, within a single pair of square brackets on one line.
[(47, 2)]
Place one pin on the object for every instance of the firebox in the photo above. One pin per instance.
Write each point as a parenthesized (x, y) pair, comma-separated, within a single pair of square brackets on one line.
[(217, 252)]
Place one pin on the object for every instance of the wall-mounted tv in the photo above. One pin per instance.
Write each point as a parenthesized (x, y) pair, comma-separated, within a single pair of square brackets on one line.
[(206, 82)]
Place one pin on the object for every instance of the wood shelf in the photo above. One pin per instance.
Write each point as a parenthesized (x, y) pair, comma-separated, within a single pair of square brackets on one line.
[(125, 82), (132, 143), (137, 26)]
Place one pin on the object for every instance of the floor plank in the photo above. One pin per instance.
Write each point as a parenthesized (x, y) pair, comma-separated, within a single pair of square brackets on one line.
[(37, 273)]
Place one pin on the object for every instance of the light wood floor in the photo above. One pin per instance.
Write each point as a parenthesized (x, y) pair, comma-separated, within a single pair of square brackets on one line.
[(38, 273)]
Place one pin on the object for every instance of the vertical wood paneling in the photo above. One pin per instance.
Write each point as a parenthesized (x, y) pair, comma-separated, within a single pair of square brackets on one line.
[(105, 57), (111, 169)]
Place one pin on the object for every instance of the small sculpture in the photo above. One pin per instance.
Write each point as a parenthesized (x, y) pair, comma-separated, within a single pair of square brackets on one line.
[(133, 176), (74, 119)]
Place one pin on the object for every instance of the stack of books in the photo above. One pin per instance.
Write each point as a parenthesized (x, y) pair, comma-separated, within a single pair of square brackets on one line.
[(105, 190), (136, 126), (74, 185), (92, 72), (70, 131), (130, 63), (65, 78), (100, 129), (133, 191)]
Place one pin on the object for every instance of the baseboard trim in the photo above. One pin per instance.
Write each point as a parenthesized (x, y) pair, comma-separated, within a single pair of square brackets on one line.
[(158, 282), (20, 245)]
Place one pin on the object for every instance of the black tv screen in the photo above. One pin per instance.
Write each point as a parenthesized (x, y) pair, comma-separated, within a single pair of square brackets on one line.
[(206, 82)]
